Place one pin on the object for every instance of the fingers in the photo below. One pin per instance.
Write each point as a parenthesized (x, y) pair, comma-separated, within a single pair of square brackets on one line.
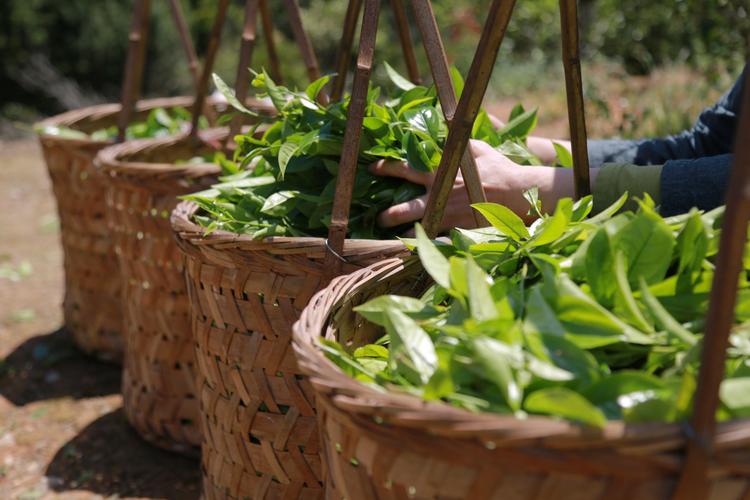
[(403, 213), (481, 148), (496, 122), (395, 168)]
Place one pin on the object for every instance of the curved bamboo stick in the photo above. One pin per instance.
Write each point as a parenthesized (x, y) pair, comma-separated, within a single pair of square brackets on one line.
[(574, 92), (352, 135), (433, 45), (133, 73), (466, 112), (693, 484), (213, 47)]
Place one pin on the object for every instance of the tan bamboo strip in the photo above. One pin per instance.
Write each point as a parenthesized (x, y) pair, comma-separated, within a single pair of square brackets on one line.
[(187, 42), (273, 56), (352, 135), (247, 45), (407, 45), (343, 55), (213, 46), (133, 64), (720, 317), (466, 112), (574, 92), (190, 55), (433, 45), (305, 46)]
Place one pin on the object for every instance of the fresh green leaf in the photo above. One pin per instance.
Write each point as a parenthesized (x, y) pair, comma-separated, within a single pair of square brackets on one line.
[(504, 220), (565, 403)]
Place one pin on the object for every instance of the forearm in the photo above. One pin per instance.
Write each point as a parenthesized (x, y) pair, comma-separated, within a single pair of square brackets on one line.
[(553, 184)]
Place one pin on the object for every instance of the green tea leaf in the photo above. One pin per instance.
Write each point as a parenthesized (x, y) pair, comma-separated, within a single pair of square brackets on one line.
[(564, 157), (433, 261), (504, 220), (315, 87), (228, 94), (398, 80), (481, 303), (520, 126), (494, 359), (647, 244), (562, 402), (286, 152), (735, 395), (411, 347), (374, 310), (458, 81)]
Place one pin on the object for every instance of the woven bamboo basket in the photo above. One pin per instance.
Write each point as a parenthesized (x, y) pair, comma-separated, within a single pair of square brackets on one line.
[(260, 438), (142, 182), (91, 305), (379, 444)]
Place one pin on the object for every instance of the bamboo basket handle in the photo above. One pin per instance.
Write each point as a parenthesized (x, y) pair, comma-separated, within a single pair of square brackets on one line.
[(466, 112), (347, 38), (136, 57), (133, 65), (574, 92), (407, 46), (476, 87), (247, 45), (345, 48), (273, 56), (187, 42), (305, 46), (446, 94), (694, 482), (249, 35), (189, 49), (352, 136), (201, 90), (433, 45)]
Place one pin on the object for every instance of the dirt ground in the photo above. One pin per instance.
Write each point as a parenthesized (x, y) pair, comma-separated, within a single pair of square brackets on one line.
[(62, 430)]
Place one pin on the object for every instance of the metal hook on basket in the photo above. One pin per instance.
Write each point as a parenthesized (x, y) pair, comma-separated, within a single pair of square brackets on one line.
[(335, 253)]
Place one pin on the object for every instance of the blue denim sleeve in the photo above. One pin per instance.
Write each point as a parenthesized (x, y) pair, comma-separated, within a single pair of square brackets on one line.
[(712, 134), (697, 183)]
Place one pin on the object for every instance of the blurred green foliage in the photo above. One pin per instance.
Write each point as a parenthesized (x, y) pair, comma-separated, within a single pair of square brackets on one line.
[(84, 42)]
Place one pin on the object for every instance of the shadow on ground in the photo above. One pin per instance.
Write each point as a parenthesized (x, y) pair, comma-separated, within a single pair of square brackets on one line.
[(49, 366), (107, 457)]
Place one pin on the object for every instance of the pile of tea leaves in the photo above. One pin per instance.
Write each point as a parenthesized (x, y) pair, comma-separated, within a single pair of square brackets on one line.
[(282, 182), (582, 318), (160, 122)]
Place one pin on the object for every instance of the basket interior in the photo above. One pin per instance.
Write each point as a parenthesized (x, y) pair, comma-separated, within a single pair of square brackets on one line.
[(167, 152), (349, 328)]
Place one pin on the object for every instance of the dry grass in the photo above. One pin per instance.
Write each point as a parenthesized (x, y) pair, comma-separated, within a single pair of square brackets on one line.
[(617, 105)]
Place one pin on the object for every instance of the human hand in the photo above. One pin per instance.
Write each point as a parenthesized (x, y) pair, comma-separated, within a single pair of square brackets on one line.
[(504, 182)]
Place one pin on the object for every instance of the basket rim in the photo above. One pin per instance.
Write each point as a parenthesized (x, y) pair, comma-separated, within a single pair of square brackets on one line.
[(191, 233), (111, 162), (100, 111), (400, 409), (106, 110)]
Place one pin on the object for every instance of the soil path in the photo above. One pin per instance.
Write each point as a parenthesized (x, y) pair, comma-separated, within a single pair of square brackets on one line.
[(62, 431)]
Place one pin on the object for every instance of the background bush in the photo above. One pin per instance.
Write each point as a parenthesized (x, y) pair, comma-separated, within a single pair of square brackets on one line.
[(56, 55)]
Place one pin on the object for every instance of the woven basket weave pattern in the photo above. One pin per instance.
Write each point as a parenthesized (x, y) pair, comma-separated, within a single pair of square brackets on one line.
[(158, 386), (260, 434), (92, 306), (392, 445)]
